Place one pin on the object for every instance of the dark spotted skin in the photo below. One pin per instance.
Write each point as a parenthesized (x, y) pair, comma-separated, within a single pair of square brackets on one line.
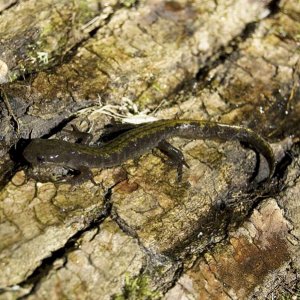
[(137, 141)]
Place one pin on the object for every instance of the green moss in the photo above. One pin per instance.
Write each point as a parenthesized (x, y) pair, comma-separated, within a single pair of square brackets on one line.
[(13, 76), (47, 29), (128, 3), (137, 288), (83, 11), (53, 37)]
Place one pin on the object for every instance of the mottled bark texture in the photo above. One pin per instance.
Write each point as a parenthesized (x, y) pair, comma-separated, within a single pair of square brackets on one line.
[(136, 231)]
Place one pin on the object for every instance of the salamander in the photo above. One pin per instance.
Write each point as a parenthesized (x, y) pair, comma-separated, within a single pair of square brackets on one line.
[(137, 141)]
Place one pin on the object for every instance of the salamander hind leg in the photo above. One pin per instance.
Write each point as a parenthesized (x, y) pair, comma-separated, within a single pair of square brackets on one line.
[(175, 155), (254, 178)]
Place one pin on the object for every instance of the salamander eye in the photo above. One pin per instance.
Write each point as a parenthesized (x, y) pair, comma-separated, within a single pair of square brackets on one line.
[(40, 159)]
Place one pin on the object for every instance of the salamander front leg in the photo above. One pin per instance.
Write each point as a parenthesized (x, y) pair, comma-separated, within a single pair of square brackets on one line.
[(81, 137), (82, 174), (175, 155)]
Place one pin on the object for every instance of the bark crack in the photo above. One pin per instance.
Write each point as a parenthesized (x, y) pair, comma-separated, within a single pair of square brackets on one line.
[(34, 280)]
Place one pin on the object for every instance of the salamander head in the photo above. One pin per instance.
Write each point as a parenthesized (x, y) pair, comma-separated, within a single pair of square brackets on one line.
[(41, 151)]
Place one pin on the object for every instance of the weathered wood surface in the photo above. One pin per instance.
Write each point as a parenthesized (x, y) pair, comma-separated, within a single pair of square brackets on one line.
[(139, 232)]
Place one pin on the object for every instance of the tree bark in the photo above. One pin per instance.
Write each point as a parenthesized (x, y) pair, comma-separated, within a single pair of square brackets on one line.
[(139, 233)]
